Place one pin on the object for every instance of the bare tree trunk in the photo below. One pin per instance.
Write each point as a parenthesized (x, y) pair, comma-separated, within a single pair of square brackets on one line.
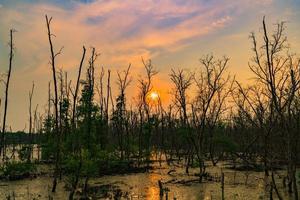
[(222, 185), (275, 187), (57, 131), (74, 186), (77, 86), (49, 100), (11, 55), (107, 96), (30, 120)]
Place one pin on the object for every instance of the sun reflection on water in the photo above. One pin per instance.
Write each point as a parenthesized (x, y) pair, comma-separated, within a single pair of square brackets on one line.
[(152, 192)]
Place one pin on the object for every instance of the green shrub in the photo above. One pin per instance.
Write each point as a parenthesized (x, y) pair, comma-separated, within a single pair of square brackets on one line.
[(25, 152), (48, 151), (224, 143), (88, 165), (18, 170), (90, 168), (71, 164)]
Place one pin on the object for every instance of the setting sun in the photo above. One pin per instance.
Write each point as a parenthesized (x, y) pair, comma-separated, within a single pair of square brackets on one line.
[(154, 96)]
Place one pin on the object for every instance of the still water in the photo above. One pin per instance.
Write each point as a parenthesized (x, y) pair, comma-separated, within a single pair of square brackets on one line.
[(144, 186)]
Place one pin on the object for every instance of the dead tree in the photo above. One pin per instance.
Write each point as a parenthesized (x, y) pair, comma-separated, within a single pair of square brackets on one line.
[(49, 101), (211, 81), (120, 111), (91, 85), (56, 118), (11, 55), (100, 92), (77, 87), (278, 72), (253, 109), (107, 97), (30, 109), (182, 82), (145, 86), (30, 120), (88, 90), (75, 95)]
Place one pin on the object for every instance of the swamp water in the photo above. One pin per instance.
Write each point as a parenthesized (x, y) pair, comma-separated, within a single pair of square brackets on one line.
[(238, 185)]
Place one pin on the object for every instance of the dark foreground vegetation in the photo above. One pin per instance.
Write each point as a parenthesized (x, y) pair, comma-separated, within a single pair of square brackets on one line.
[(87, 133)]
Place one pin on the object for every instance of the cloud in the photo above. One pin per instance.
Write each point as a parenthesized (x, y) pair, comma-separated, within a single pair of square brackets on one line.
[(123, 31)]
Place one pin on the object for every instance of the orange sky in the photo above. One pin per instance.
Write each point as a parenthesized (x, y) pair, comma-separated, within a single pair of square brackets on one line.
[(173, 33)]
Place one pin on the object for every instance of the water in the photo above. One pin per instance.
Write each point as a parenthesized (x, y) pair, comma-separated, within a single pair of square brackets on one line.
[(144, 186), (12, 152)]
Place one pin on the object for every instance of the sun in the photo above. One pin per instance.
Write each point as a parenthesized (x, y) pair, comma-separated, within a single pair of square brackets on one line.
[(154, 96)]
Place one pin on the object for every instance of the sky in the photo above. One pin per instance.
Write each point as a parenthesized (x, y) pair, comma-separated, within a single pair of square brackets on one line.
[(172, 33)]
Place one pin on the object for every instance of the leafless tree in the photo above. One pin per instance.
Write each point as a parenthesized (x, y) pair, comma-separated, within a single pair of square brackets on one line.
[(75, 95), (120, 112), (11, 56), (182, 82), (100, 92), (279, 73), (108, 95), (77, 86), (209, 101), (30, 117), (57, 129), (145, 86)]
